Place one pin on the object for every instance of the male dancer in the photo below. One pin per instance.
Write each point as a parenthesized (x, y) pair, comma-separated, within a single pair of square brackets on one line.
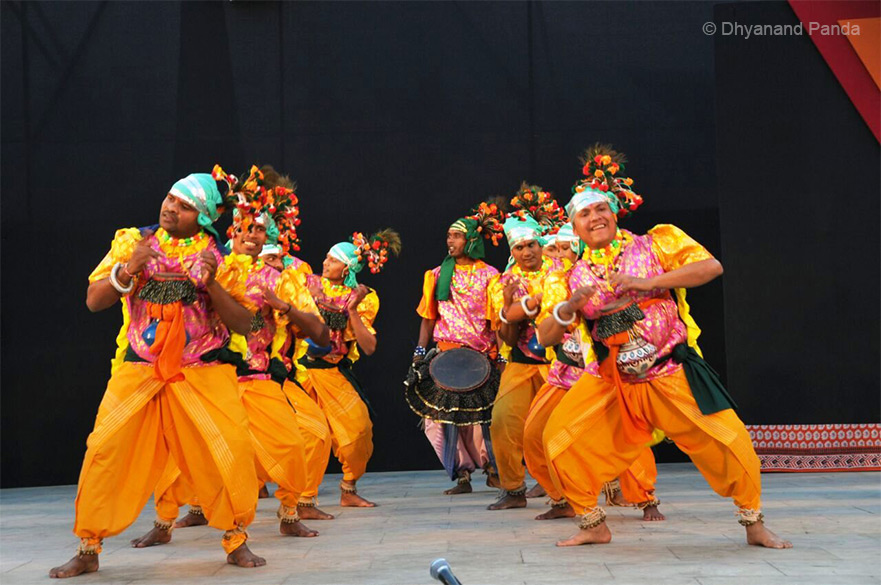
[(637, 484), (453, 311), (261, 214), (653, 375), (528, 361), (170, 396), (348, 309)]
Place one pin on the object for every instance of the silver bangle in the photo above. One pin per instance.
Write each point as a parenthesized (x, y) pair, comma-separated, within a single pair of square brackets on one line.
[(502, 317), (115, 282), (526, 310), (560, 320)]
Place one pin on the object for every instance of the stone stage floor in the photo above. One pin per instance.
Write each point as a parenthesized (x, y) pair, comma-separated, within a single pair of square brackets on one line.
[(833, 519)]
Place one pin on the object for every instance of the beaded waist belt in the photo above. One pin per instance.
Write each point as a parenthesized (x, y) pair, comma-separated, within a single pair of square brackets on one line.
[(334, 318), (165, 290), (619, 321)]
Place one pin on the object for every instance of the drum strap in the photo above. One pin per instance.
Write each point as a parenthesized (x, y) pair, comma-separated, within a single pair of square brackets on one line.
[(451, 449)]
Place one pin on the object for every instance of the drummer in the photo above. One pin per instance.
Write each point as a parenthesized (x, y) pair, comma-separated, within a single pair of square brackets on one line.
[(453, 311), (514, 301)]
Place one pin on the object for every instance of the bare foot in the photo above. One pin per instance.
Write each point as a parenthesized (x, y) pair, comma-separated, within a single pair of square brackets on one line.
[(154, 537), (557, 512), (652, 514), (536, 492), (191, 520), (758, 535), (313, 513), (354, 501), (493, 481), (263, 493), (596, 535), (296, 529), (76, 566), (243, 557), (618, 500), (459, 488), (508, 501)]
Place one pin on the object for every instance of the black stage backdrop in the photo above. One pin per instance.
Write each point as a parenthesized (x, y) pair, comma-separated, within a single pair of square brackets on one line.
[(403, 115), (799, 203)]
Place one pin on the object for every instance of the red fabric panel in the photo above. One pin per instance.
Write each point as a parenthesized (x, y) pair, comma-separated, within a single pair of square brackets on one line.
[(840, 55)]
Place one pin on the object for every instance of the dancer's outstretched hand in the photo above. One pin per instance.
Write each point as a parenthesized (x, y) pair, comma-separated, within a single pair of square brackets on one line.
[(275, 302), (209, 267), (580, 297), (625, 282), (141, 255)]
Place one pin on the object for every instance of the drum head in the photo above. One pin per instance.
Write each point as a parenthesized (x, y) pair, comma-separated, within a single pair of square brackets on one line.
[(460, 370)]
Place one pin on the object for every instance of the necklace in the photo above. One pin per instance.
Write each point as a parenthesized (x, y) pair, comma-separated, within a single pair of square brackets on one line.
[(530, 276), (180, 248), (604, 262), (337, 289), (470, 272), (167, 239)]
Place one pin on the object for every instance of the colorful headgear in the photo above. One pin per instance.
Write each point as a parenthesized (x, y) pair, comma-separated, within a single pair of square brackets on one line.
[(371, 252), (200, 190), (605, 181), (531, 201), (567, 234), (522, 229), (275, 208), (485, 219), (270, 249)]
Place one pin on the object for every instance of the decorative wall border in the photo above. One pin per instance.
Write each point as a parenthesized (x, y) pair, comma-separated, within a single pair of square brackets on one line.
[(824, 447)]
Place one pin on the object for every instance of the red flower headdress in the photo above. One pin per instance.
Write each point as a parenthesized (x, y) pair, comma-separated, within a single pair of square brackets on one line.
[(374, 251), (604, 169), (254, 199)]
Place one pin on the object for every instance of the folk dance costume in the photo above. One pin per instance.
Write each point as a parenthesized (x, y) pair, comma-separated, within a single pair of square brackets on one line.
[(637, 484), (652, 374), (528, 362), (453, 308), (169, 396), (273, 425), (328, 377)]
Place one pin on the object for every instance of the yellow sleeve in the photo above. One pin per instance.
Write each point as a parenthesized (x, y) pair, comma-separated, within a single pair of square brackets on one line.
[(675, 248), (495, 300), (232, 275), (554, 291), (428, 305), (304, 268), (292, 289), (367, 310), (121, 249)]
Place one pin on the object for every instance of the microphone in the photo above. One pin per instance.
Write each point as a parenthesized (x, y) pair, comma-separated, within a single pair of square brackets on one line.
[(440, 570)]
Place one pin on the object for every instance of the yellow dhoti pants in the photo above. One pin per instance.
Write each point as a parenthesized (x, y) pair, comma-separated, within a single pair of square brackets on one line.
[(316, 438), (141, 422), (637, 482), (347, 417), (584, 442), (517, 389), (279, 448)]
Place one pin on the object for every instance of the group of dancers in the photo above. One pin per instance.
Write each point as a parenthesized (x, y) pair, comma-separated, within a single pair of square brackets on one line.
[(234, 363)]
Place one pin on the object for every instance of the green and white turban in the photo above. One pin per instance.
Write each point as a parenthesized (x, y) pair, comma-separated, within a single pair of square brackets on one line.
[(588, 197), (567, 234), (346, 252), (200, 191), (519, 230), (270, 249)]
